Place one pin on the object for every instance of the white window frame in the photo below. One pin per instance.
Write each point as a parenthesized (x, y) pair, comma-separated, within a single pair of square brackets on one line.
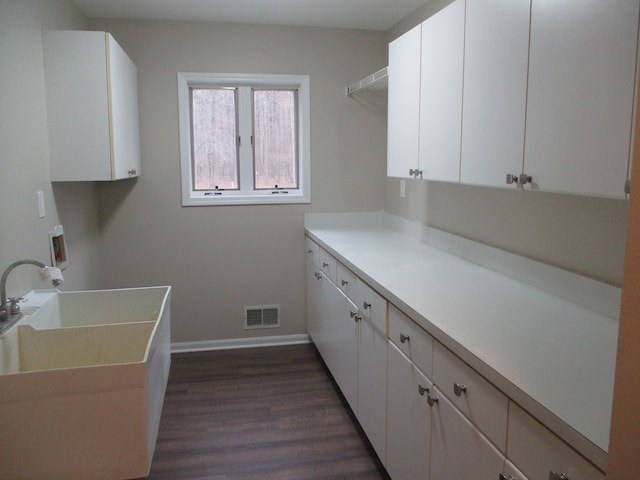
[(247, 195)]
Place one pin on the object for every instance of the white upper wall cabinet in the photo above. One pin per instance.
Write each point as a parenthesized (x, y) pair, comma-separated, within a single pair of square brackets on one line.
[(549, 90), (495, 90), (403, 112), (580, 99), (441, 93), (92, 107)]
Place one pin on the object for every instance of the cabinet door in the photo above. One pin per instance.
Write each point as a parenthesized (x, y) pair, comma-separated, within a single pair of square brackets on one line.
[(372, 385), (403, 114), (408, 419), (458, 450), (339, 336), (123, 94), (314, 301), (441, 93), (580, 97), (77, 105), (495, 90)]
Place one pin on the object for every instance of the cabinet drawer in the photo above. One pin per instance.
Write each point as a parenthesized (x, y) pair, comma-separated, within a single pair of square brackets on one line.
[(537, 451), (313, 251), (346, 281), (412, 340), (328, 265), (371, 305), (484, 405)]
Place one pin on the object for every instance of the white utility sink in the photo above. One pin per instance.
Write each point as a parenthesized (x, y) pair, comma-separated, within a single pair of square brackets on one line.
[(82, 383)]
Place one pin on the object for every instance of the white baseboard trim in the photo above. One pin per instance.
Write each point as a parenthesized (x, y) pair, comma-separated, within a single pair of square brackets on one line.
[(226, 344)]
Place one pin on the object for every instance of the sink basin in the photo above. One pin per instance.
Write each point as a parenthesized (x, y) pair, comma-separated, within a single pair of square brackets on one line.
[(82, 383)]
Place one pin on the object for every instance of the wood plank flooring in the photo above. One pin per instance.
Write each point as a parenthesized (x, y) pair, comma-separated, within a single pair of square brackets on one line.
[(258, 414)]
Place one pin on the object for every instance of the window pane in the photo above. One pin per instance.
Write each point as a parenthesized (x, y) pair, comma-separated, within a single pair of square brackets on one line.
[(215, 151), (275, 142)]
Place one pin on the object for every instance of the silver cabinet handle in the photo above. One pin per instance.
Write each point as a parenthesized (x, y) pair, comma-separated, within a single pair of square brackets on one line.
[(132, 172), (558, 476), (309, 251), (459, 389), (325, 265), (404, 338), (431, 400), (521, 179), (422, 390), (343, 282), (505, 477), (414, 172), (366, 305), (355, 316), (318, 276)]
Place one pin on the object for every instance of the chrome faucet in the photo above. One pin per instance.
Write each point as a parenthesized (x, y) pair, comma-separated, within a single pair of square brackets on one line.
[(7, 311)]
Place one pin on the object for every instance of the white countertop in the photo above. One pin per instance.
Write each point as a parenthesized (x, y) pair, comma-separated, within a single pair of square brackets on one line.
[(553, 356)]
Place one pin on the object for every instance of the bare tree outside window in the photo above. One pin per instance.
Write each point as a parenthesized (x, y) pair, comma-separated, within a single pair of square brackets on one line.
[(214, 130), (275, 139)]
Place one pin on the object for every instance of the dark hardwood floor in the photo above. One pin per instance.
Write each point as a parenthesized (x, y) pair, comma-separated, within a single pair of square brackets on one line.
[(258, 414)]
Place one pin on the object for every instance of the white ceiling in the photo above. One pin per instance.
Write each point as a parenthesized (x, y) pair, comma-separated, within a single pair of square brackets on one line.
[(359, 14)]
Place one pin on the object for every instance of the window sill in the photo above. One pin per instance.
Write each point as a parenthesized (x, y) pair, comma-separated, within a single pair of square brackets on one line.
[(270, 199)]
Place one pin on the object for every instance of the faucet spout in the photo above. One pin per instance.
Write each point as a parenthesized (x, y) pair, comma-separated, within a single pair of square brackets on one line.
[(4, 310)]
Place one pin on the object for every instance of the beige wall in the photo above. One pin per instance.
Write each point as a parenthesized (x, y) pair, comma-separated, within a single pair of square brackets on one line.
[(220, 258), (581, 234), (24, 154), (584, 235)]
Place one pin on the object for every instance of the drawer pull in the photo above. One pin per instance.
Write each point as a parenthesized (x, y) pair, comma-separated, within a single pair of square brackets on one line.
[(309, 251), (366, 305), (355, 316), (422, 390), (318, 276), (558, 476), (404, 338), (325, 264), (505, 477), (431, 400), (343, 282), (459, 389)]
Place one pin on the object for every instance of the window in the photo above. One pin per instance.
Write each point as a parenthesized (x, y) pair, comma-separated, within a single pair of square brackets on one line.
[(244, 139)]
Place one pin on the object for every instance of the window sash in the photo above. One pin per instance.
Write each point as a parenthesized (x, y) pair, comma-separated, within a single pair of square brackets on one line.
[(287, 125), (199, 151)]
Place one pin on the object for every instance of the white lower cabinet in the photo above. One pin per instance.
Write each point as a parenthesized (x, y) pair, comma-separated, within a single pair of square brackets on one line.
[(339, 339), (540, 454), (372, 385), (408, 419), (314, 298), (351, 342), (333, 330), (427, 414), (459, 451)]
